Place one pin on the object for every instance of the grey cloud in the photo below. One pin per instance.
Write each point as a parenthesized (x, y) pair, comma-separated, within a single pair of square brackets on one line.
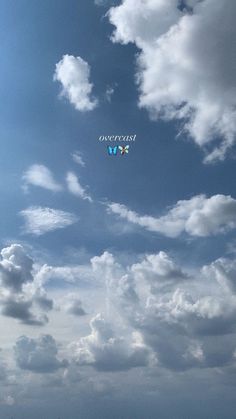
[(20, 309), (20, 293), (38, 355), (74, 305)]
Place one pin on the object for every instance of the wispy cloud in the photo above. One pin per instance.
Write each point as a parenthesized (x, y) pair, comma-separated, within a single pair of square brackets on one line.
[(41, 220), (198, 216), (109, 92), (104, 2), (75, 187), (77, 157), (40, 175)]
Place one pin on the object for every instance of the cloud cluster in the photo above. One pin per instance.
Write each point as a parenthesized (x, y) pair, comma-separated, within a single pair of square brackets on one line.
[(199, 216), (20, 296), (155, 314), (185, 320), (186, 65), (156, 311), (73, 73)]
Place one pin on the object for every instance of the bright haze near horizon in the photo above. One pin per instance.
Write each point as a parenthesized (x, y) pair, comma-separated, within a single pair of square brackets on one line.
[(118, 272)]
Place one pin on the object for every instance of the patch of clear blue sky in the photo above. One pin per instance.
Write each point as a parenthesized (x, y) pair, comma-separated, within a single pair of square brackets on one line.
[(38, 127)]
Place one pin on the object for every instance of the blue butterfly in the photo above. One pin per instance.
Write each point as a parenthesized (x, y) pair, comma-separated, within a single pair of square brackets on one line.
[(112, 150)]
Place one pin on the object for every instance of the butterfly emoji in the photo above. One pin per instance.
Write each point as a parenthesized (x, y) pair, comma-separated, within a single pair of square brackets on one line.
[(112, 151), (124, 149)]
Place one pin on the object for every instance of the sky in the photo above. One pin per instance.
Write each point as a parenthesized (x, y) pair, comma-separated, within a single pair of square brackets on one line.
[(117, 209)]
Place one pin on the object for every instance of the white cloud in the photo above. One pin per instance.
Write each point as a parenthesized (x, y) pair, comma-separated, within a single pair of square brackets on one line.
[(186, 65), (77, 157), (143, 22), (101, 268), (71, 274), (108, 352), (224, 272), (40, 175), (74, 73), (159, 269), (15, 267), (41, 220), (75, 187), (199, 216)]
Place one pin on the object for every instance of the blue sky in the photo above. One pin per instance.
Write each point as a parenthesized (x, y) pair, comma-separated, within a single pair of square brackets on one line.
[(117, 273)]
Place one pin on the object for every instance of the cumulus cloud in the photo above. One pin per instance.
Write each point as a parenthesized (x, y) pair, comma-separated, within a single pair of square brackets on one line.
[(186, 65), (19, 293), (75, 187), (108, 352), (102, 268), (19, 307), (159, 269), (15, 267), (199, 216), (38, 355), (40, 175), (74, 73), (41, 220)]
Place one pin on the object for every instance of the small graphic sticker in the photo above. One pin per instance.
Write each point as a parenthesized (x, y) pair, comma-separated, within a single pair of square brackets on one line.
[(112, 151), (124, 149)]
